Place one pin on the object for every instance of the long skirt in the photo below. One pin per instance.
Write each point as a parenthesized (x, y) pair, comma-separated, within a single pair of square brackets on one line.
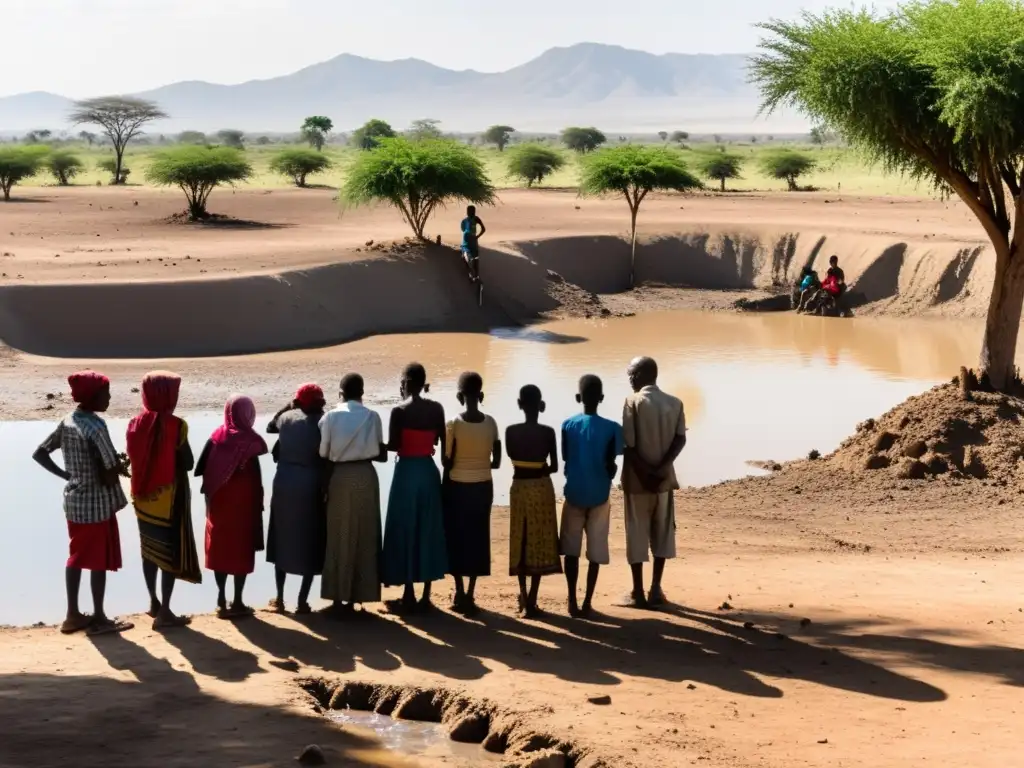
[(295, 538), (533, 529), (467, 527), (234, 525), (168, 539), (94, 546), (353, 535), (414, 544)]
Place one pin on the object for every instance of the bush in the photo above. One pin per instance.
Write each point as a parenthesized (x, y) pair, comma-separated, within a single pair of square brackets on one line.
[(299, 163), (230, 137), (417, 177), (787, 164), (532, 162), (583, 140), (17, 163), (109, 164), (720, 166), (64, 166), (198, 171)]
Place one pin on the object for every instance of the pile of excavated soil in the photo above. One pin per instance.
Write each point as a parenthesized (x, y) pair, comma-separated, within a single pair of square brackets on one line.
[(945, 431)]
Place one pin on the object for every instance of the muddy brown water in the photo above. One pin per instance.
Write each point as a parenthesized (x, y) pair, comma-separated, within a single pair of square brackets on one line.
[(755, 387), (427, 742)]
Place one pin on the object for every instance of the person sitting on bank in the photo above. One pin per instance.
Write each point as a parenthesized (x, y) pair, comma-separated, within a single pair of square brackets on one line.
[(806, 288), (654, 430), (92, 498), (590, 445)]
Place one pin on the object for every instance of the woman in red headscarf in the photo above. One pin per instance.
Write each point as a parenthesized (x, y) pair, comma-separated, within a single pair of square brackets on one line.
[(161, 459), (233, 485), (295, 539)]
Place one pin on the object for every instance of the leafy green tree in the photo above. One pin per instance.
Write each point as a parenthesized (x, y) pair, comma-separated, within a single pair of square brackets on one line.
[(197, 171), (663, 135), (315, 130), (117, 175), (817, 135), (297, 164), (122, 119), (417, 177), (933, 90), (678, 137), (18, 163), (787, 164), (532, 163), (192, 137), (371, 133), (230, 137), (64, 166), (634, 172), (425, 128), (583, 140), (720, 166), (499, 135)]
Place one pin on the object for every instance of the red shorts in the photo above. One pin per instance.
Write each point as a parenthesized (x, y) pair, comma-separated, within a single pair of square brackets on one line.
[(95, 546)]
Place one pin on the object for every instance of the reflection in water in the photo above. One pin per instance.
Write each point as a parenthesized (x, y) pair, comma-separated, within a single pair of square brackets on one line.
[(754, 387), (413, 739)]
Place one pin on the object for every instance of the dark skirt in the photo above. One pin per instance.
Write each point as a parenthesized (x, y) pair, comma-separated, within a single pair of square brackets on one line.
[(295, 540), (414, 546), (467, 527)]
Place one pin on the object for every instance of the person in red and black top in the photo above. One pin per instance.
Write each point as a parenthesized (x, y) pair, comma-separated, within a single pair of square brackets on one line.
[(835, 278), (414, 540)]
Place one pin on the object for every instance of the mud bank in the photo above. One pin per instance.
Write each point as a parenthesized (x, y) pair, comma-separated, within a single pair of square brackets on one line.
[(466, 721), (407, 288)]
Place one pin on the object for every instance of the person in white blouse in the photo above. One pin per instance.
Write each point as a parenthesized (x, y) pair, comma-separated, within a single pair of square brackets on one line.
[(351, 438)]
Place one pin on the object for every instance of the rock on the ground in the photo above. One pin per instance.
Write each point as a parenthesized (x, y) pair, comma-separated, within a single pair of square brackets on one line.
[(312, 755), (602, 701)]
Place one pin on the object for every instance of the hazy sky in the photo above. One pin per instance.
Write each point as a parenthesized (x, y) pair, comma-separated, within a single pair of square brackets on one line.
[(88, 47)]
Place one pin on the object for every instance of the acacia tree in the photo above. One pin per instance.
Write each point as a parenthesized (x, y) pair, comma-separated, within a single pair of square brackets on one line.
[(197, 171), (788, 165), (315, 130), (424, 128), (231, 137), (499, 135), (663, 135), (417, 178), (720, 166), (63, 166), (122, 118), (88, 137), (583, 140), (678, 137), (372, 132), (932, 90), (17, 163), (297, 164), (634, 172), (533, 162)]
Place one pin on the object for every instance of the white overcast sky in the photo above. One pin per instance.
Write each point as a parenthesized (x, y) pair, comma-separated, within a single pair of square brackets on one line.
[(87, 47)]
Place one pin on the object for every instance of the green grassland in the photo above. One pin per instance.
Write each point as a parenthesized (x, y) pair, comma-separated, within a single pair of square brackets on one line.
[(838, 169)]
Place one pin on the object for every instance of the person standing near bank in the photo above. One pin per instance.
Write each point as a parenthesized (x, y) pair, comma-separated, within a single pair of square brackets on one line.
[(233, 485), (295, 536), (654, 431), (590, 446), (351, 438), (414, 543), (472, 452), (92, 498), (161, 460)]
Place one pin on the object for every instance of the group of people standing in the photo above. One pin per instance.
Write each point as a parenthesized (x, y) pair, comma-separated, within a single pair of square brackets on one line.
[(325, 508)]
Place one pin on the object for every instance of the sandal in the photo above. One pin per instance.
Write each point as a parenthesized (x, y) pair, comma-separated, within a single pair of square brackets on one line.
[(231, 612), (176, 622), (656, 598), (633, 600), (71, 626), (276, 606), (108, 627)]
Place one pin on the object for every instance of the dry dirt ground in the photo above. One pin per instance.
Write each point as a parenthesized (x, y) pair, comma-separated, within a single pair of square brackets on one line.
[(912, 654)]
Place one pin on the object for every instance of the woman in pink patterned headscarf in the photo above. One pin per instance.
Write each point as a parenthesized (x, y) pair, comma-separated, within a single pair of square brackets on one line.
[(233, 486)]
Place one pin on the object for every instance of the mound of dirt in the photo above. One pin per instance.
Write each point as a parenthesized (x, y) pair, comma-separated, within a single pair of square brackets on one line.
[(942, 431)]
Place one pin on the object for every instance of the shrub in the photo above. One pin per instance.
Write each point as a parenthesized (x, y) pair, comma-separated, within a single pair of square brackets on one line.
[(720, 165), (297, 164), (17, 163), (109, 164), (787, 164), (64, 166), (197, 171), (532, 163)]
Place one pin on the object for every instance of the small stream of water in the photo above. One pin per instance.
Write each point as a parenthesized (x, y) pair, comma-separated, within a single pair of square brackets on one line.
[(755, 387)]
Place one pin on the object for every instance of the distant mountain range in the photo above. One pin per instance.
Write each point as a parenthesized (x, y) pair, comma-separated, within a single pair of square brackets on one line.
[(614, 88)]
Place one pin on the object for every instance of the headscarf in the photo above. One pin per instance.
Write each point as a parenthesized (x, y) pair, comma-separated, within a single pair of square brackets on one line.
[(86, 387), (310, 397), (233, 443), (154, 434)]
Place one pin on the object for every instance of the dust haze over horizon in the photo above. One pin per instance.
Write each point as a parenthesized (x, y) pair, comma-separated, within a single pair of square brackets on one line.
[(81, 48)]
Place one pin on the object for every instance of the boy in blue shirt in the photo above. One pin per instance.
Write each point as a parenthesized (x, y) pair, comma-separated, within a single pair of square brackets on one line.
[(590, 445)]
